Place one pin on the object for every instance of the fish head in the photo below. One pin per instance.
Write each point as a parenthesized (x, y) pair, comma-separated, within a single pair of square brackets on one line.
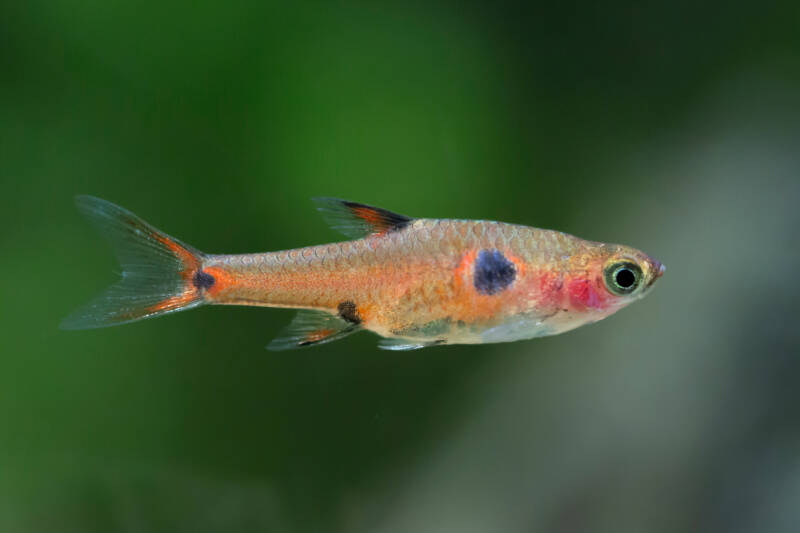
[(600, 280), (603, 278)]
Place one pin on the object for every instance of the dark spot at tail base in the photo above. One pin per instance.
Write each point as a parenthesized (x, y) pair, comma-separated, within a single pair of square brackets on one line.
[(203, 280), (493, 272), (349, 312)]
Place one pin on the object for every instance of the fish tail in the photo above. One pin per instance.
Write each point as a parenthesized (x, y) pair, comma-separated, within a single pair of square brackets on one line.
[(159, 274)]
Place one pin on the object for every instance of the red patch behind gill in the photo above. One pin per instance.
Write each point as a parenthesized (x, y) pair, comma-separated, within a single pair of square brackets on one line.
[(583, 294)]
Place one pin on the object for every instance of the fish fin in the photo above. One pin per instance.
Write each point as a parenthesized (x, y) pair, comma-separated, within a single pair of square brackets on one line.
[(158, 272), (358, 220), (406, 344), (310, 328)]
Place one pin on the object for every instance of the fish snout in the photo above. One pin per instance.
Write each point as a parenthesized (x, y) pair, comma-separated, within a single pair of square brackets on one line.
[(657, 269)]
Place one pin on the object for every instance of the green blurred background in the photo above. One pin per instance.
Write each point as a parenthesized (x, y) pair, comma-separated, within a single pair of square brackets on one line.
[(672, 127)]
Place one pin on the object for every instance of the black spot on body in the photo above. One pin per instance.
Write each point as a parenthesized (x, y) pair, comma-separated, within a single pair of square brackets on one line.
[(349, 312), (493, 272), (203, 280)]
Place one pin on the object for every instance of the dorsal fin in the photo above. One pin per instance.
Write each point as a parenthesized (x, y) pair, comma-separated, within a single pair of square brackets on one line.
[(314, 327), (358, 220)]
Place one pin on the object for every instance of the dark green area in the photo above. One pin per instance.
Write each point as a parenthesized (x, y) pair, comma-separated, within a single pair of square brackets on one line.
[(217, 122)]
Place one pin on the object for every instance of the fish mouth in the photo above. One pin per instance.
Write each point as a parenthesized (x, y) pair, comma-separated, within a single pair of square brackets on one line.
[(658, 271)]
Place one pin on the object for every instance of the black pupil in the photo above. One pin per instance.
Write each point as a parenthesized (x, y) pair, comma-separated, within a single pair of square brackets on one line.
[(625, 278)]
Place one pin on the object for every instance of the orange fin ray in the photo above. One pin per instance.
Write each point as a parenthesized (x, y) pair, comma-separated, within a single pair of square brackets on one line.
[(159, 273), (310, 328), (359, 220)]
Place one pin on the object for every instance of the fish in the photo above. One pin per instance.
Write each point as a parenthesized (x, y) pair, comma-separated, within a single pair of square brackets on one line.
[(415, 282)]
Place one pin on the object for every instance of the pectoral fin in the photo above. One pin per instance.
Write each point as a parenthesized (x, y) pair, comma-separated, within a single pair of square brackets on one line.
[(406, 344)]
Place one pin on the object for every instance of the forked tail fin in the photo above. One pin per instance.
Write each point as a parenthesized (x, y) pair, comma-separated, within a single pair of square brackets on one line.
[(159, 274)]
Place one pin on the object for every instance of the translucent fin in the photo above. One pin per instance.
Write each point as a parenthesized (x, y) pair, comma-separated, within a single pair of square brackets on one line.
[(358, 220), (157, 270), (310, 328), (406, 344)]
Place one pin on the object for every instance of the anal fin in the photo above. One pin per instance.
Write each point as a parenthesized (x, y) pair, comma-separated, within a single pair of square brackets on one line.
[(310, 328)]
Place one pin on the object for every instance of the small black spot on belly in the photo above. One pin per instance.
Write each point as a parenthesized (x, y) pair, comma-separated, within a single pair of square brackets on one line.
[(203, 280), (493, 272), (349, 312)]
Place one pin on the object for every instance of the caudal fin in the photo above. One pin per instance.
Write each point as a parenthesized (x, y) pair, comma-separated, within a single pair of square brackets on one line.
[(158, 272)]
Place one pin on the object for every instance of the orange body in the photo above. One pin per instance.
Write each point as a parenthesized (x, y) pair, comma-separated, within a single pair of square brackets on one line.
[(402, 282)]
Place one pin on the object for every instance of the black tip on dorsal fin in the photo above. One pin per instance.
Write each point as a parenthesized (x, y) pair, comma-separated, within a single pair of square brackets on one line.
[(359, 220)]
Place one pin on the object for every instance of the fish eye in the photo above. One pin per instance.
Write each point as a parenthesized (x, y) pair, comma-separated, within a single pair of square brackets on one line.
[(623, 278)]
